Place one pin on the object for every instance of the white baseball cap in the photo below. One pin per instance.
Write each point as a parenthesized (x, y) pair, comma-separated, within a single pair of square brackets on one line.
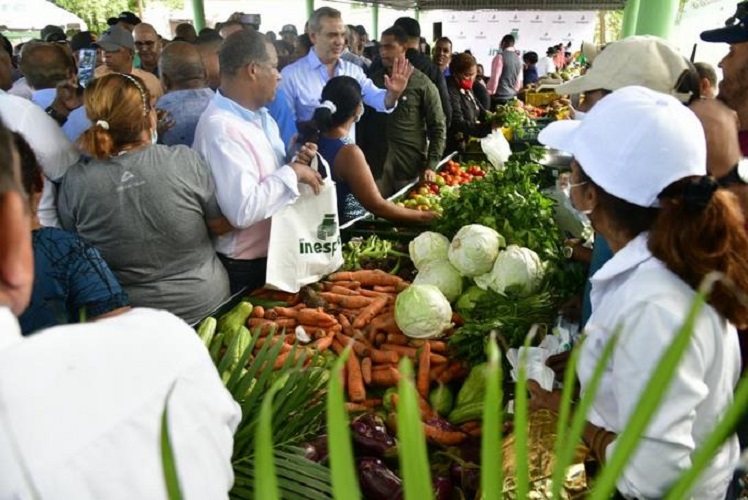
[(634, 143), (643, 60)]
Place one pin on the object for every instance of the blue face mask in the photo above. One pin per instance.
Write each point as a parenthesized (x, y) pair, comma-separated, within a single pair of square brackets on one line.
[(578, 115)]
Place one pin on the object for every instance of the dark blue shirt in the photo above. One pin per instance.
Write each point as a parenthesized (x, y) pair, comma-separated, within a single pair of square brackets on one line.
[(348, 205), (530, 75), (70, 279), (281, 110), (185, 108)]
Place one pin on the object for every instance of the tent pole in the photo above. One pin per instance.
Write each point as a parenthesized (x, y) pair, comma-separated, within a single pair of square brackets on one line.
[(375, 21), (417, 14), (657, 18), (309, 8), (630, 15), (198, 14)]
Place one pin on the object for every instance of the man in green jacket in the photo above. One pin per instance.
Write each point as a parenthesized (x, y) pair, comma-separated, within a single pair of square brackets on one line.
[(408, 142)]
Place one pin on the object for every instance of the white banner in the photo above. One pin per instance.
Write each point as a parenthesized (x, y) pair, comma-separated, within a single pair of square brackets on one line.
[(481, 31)]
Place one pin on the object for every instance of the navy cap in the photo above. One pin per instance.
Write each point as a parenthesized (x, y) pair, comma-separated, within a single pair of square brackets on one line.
[(735, 30)]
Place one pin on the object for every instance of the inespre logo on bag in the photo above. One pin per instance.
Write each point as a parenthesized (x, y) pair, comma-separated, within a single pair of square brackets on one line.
[(326, 230)]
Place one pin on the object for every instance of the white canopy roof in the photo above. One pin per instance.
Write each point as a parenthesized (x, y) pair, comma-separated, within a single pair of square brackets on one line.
[(29, 15)]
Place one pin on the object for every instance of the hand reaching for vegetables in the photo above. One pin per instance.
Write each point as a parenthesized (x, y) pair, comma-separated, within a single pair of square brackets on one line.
[(540, 399)]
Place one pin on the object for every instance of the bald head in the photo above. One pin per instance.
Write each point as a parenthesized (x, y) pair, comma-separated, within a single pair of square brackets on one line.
[(46, 64), (181, 67), (147, 45)]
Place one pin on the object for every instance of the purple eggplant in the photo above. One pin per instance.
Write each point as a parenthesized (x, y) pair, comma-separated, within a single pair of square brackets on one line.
[(378, 482), (370, 437), (316, 450), (443, 487)]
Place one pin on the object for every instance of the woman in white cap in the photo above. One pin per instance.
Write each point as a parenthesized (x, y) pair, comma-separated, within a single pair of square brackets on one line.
[(639, 172)]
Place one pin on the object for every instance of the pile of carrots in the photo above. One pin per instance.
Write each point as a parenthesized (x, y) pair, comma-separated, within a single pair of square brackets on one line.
[(360, 311)]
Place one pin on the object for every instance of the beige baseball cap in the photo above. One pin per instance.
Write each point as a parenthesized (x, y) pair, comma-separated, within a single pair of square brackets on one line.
[(644, 60), (634, 143)]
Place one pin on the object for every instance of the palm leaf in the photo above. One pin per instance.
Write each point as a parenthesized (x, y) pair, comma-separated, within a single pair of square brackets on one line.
[(521, 420), (492, 478), (414, 461), (173, 489)]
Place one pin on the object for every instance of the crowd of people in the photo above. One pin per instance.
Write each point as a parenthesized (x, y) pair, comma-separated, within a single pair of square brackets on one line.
[(141, 173)]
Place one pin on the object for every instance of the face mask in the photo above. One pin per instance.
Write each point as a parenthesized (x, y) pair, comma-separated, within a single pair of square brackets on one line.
[(154, 136), (465, 84), (578, 115), (359, 115)]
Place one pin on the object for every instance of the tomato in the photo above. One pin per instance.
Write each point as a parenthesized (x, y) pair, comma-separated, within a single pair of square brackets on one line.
[(434, 188)]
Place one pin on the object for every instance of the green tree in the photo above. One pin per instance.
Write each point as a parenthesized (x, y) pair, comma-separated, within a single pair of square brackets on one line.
[(96, 12)]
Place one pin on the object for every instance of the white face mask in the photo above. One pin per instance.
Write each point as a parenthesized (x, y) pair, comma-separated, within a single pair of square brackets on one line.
[(154, 136), (359, 115), (578, 115)]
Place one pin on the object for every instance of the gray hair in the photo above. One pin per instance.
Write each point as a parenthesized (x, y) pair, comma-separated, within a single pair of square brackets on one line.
[(241, 49), (315, 22), (181, 62)]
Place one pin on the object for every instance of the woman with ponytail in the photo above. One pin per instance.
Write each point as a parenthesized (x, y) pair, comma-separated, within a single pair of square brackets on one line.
[(639, 172), (148, 208), (357, 191)]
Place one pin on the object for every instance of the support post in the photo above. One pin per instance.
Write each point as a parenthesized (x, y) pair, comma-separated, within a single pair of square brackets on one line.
[(309, 8), (630, 16), (657, 18), (198, 14), (375, 22)]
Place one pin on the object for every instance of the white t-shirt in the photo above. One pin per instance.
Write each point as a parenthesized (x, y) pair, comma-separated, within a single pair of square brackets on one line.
[(545, 66), (53, 150), (81, 407), (637, 291)]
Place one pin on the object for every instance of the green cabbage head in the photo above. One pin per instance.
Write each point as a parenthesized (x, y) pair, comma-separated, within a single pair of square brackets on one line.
[(474, 249), (423, 312), (517, 269), (444, 276), (428, 247)]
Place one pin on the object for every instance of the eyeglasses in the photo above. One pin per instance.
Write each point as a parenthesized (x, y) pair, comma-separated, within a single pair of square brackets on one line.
[(576, 184)]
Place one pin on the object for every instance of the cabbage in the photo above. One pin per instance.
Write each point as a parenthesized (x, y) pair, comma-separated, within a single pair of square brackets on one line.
[(422, 312), (428, 247), (474, 249), (444, 276), (517, 269)]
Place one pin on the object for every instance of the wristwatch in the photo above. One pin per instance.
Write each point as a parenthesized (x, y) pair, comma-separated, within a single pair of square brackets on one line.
[(59, 118), (737, 175)]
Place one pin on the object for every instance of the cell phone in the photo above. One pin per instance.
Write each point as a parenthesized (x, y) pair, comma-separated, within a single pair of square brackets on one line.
[(86, 66)]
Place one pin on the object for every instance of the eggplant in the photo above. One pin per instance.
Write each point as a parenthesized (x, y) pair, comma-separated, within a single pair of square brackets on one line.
[(316, 450), (370, 436), (377, 481), (443, 487), (467, 476)]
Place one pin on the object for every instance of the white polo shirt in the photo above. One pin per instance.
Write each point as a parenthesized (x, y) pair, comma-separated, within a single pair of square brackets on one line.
[(81, 406), (636, 290)]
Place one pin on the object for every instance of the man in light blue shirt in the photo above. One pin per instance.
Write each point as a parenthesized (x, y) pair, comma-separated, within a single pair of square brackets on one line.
[(304, 80), (183, 76), (47, 65)]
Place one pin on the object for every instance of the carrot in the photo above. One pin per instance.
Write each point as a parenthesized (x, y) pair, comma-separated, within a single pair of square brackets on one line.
[(385, 289), (356, 389), (290, 338), (346, 301), (359, 348), (385, 378), (345, 323), (383, 367), (401, 286), (356, 407), (288, 312), (366, 370), (400, 349), (366, 277), (258, 312), (322, 344), (337, 347), (285, 322), (437, 370), (437, 359), (385, 323), (445, 438), (315, 317), (438, 346), (424, 366), (281, 359), (378, 356), (369, 312), (472, 428), (374, 295), (453, 371), (397, 339), (341, 290), (253, 322), (351, 285), (372, 403), (270, 314)]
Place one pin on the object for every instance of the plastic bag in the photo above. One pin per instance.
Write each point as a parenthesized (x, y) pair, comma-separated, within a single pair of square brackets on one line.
[(496, 148)]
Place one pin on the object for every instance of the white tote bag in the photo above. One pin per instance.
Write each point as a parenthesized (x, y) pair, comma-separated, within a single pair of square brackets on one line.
[(305, 238)]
